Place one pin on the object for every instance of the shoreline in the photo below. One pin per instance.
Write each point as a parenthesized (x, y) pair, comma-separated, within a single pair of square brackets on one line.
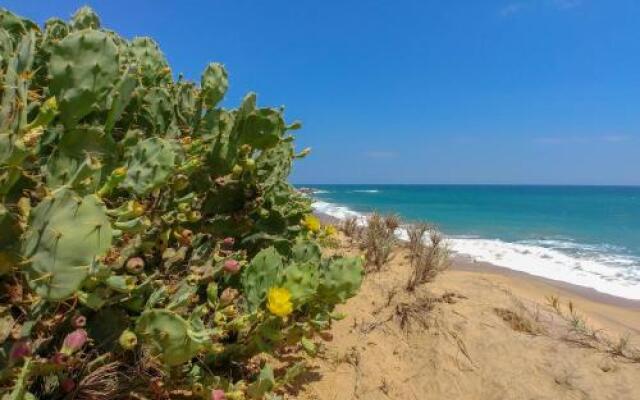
[(463, 262)]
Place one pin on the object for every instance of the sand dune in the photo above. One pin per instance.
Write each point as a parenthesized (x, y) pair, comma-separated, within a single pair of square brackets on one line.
[(476, 335)]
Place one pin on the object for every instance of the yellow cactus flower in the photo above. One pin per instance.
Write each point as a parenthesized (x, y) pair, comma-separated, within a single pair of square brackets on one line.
[(330, 230), (279, 302), (311, 222)]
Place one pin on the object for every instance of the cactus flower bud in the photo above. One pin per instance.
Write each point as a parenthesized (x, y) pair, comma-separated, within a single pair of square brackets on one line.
[(137, 209), (67, 385), (60, 359), (74, 341), (120, 172), (245, 149), (194, 216), (135, 265), (128, 340), (212, 292), (231, 266), (79, 321), (228, 241), (250, 164), (20, 349), (228, 296), (217, 394), (180, 182)]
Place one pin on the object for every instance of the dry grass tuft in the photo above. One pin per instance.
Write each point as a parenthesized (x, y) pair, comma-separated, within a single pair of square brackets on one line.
[(378, 240), (518, 321), (429, 260), (107, 382), (409, 315), (416, 234), (351, 228)]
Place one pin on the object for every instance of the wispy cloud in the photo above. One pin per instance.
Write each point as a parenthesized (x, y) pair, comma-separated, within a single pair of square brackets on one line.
[(518, 7), (560, 140), (381, 155), (567, 4), (511, 9)]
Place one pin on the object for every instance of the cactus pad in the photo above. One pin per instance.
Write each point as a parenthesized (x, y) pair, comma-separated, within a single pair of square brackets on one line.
[(66, 234), (83, 69), (150, 164)]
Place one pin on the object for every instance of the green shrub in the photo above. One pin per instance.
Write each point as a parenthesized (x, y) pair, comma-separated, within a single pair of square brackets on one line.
[(147, 225)]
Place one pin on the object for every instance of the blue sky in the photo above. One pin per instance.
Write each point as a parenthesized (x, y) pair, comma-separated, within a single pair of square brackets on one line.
[(491, 91)]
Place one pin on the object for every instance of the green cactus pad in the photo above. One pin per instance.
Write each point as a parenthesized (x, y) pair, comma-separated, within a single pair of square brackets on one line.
[(66, 234), (214, 84), (340, 280), (146, 55), (150, 164), (173, 338), (301, 279), (263, 273), (85, 18), (74, 146), (83, 68)]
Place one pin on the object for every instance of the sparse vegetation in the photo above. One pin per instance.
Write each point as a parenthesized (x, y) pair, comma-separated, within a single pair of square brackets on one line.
[(351, 227), (428, 260), (416, 234), (378, 240)]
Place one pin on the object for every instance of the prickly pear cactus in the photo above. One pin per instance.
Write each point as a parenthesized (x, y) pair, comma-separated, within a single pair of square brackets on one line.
[(264, 272), (83, 68), (171, 337), (149, 165), (145, 227), (66, 235)]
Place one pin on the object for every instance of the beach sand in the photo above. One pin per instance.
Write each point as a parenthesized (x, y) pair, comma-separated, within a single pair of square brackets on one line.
[(476, 332)]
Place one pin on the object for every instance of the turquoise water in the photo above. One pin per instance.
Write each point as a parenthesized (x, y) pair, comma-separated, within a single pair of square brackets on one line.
[(583, 235)]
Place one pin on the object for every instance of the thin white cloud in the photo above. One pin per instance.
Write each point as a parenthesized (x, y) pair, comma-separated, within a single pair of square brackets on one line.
[(560, 140), (382, 155), (514, 8), (511, 9), (567, 4)]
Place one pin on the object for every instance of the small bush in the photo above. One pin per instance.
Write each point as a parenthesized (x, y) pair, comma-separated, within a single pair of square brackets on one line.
[(429, 260), (416, 234), (378, 240), (351, 228)]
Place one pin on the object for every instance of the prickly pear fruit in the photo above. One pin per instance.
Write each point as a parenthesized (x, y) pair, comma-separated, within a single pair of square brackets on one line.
[(217, 394), (74, 341), (128, 340), (231, 266)]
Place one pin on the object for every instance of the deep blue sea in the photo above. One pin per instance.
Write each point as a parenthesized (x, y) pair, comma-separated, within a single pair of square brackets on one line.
[(585, 235)]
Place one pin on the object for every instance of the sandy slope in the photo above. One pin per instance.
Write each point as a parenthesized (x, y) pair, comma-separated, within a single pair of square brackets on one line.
[(465, 349)]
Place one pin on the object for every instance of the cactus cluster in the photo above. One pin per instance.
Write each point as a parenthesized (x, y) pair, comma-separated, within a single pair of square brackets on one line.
[(150, 244)]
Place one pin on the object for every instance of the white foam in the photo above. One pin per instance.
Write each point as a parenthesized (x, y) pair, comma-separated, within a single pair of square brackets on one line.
[(367, 191), (606, 277), (599, 267)]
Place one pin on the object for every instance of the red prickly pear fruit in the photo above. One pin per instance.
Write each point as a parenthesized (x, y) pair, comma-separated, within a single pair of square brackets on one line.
[(20, 349), (218, 394), (74, 341), (135, 265), (231, 266), (60, 359), (229, 241), (68, 385), (228, 296), (79, 321)]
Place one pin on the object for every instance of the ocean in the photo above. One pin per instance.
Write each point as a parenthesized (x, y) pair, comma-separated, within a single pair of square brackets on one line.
[(583, 235)]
